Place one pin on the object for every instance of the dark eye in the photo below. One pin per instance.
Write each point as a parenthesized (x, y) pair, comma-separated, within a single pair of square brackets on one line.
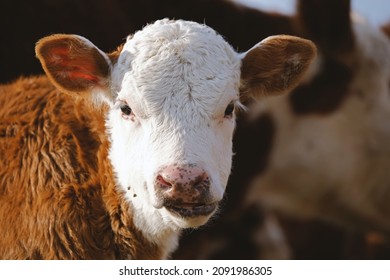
[(229, 110), (126, 110)]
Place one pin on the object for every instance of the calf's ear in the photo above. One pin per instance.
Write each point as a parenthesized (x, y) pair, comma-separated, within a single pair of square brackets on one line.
[(275, 65), (74, 64)]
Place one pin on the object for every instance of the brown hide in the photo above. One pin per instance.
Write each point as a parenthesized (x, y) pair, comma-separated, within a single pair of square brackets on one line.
[(386, 29), (57, 195), (328, 24)]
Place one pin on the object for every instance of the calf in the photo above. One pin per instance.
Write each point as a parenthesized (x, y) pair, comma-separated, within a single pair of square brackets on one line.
[(122, 177)]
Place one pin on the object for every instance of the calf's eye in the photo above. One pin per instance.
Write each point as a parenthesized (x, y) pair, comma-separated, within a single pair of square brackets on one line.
[(229, 110), (126, 110)]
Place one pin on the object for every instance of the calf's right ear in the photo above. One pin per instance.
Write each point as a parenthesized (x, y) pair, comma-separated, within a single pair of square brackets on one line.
[(275, 65), (74, 64)]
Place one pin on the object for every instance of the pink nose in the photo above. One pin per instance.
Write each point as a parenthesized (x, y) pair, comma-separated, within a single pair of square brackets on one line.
[(185, 182)]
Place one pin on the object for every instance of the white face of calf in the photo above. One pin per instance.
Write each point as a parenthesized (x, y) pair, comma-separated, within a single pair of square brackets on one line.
[(172, 123), (172, 91)]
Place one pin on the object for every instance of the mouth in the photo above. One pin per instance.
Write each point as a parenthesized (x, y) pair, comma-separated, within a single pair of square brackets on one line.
[(191, 210)]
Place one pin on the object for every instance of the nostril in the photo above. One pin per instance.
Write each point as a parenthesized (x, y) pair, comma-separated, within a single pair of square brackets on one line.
[(163, 181), (199, 180)]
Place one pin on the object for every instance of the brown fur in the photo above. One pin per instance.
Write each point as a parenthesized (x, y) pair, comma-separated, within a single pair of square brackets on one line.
[(72, 66), (386, 29), (328, 24), (326, 92), (57, 195), (268, 80)]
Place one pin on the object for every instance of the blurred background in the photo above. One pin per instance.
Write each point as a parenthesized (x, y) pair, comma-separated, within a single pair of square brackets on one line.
[(107, 23), (376, 11), (241, 230)]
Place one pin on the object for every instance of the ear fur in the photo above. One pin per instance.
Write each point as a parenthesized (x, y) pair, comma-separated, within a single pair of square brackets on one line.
[(275, 65), (73, 63)]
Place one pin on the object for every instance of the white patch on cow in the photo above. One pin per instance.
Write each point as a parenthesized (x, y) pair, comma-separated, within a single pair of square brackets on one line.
[(342, 157), (178, 78)]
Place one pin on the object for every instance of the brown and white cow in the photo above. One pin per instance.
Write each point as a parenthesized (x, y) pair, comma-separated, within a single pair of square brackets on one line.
[(330, 155), (310, 175), (151, 156)]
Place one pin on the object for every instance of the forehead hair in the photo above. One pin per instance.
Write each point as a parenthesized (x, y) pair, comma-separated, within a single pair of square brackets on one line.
[(180, 60)]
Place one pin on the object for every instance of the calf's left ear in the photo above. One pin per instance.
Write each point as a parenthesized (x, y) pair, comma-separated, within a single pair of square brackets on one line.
[(74, 64), (275, 65)]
